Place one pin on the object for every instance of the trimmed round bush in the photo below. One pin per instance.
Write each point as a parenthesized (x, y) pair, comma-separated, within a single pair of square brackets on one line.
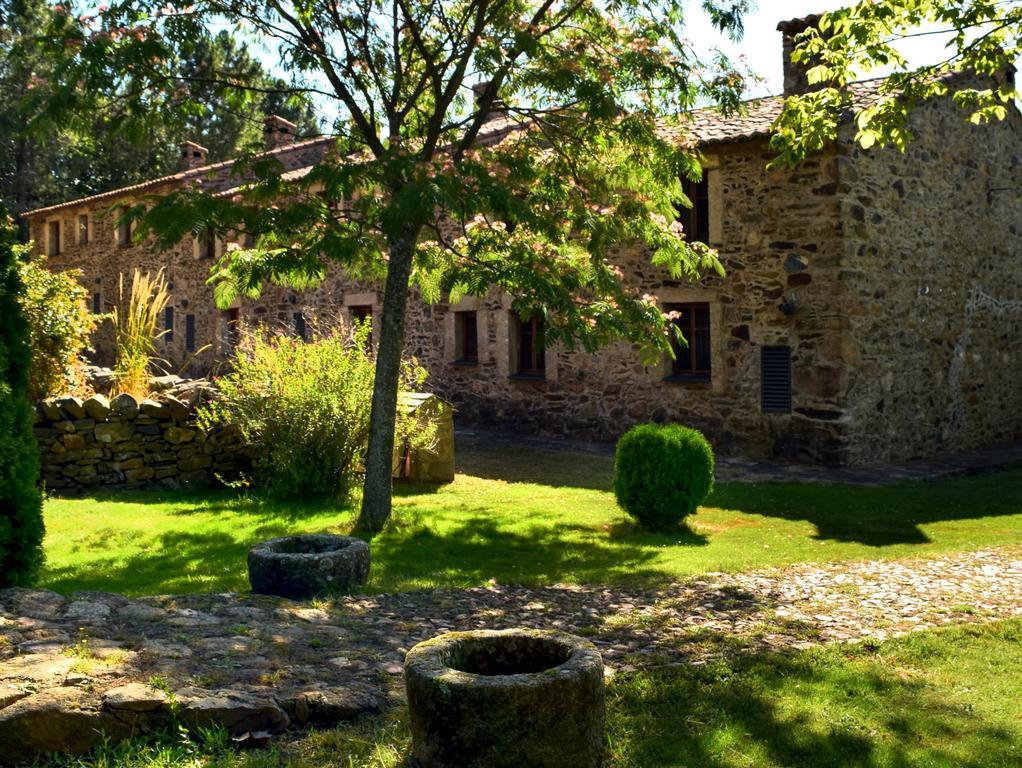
[(662, 473)]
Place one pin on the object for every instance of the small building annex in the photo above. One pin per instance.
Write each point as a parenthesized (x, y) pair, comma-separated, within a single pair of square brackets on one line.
[(871, 309)]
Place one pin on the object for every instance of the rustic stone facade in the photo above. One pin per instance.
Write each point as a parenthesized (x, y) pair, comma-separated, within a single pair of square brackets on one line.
[(889, 281), (122, 443)]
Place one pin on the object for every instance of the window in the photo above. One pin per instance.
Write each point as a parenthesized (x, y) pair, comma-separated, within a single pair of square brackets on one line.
[(207, 246), (168, 324), (531, 352), (363, 313), (52, 238), (691, 359), (696, 220), (233, 327), (190, 333), (123, 229), (246, 240), (97, 304), (775, 379), (466, 338), (83, 229), (301, 331)]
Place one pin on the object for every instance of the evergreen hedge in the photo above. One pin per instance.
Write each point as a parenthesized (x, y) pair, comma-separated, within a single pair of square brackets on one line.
[(662, 473), (21, 514)]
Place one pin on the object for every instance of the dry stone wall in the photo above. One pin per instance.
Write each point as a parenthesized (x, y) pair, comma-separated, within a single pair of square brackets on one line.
[(124, 443)]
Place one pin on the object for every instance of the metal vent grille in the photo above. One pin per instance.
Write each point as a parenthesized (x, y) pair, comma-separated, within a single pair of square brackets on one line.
[(775, 379)]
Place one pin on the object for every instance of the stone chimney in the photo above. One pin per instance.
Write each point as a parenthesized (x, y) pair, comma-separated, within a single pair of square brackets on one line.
[(496, 109), (192, 156), (278, 132), (795, 80)]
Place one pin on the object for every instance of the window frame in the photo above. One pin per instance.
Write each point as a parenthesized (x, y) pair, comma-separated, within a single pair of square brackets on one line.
[(359, 314), (53, 237), (461, 346), (696, 220), (84, 226), (691, 351), (190, 333), (531, 365), (123, 231)]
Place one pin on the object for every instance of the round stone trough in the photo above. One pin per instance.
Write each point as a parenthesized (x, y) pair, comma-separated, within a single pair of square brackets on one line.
[(506, 698), (307, 565)]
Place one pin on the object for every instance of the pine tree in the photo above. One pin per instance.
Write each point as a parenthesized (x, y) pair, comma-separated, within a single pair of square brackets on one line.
[(21, 516)]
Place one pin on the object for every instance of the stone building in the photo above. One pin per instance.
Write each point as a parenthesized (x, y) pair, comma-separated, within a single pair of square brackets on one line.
[(871, 309)]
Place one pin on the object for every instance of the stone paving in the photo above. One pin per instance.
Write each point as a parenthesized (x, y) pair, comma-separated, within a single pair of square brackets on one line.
[(72, 667)]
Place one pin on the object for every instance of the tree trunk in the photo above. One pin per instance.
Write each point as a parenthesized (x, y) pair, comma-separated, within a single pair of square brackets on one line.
[(390, 340)]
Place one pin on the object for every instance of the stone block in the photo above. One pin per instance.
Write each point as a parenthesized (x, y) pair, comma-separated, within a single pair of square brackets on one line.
[(50, 409), (114, 432), (155, 409), (97, 406), (179, 410), (126, 405), (178, 435), (71, 442), (198, 461), (72, 406), (143, 473)]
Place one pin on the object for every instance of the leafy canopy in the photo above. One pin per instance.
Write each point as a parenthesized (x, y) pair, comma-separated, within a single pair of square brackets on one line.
[(579, 160), (984, 39)]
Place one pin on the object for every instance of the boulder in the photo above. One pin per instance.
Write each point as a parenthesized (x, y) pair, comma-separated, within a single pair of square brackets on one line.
[(237, 712), (154, 409)]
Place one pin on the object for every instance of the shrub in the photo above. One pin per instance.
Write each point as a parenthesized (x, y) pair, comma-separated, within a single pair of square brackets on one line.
[(60, 324), (21, 516), (135, 331), (304, 407), (662, 473)]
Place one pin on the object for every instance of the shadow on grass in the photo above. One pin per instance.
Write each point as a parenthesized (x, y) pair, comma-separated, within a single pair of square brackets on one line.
[(478, 549), (822, 708), (878, 516)]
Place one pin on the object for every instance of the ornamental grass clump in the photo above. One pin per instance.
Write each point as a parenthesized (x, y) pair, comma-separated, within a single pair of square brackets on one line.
[(303, 408), (135, 329), (662, 473)]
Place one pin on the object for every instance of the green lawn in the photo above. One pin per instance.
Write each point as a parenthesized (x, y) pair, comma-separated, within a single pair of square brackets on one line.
[(945, 699), (522, 516)]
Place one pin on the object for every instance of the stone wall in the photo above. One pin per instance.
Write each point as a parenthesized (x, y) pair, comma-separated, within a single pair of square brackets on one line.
[(931, 276), (122, 443)]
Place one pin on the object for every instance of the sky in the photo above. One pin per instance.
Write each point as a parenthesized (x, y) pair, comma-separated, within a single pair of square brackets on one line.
[(762, 42)]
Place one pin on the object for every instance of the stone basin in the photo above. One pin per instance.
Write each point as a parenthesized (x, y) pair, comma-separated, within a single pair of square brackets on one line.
[(308, 565), (504, 699)]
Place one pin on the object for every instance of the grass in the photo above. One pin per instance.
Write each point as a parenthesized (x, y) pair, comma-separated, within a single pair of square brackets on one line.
[(522, 516), (938, 699)]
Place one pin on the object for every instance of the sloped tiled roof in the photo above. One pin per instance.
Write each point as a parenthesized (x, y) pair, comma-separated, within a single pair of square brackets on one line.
[(710, 126), (198, 173), (700, 127)]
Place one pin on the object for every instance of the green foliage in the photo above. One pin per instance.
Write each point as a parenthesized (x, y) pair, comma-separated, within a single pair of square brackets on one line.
[(662, 473), (304, 408), (592, 97), (21, 517), (60, 326), (985, 39), (94, 152)]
